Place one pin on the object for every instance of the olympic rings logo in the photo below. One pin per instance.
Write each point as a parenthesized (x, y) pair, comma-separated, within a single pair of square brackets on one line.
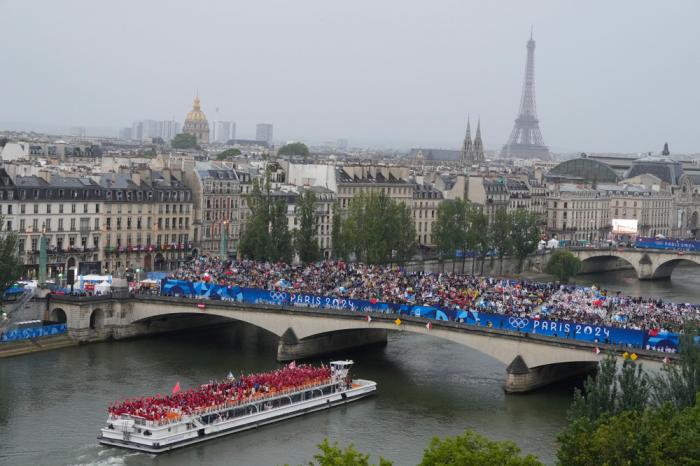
[(518, 322), (278, 296)]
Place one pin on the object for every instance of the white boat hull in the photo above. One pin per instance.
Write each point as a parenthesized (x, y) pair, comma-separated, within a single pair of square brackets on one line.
[(203, 433)]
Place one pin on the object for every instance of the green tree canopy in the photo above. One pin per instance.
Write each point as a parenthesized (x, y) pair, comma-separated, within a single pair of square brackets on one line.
[(451, 228), (501, 231), (563, 265), (227, 154), (305, 237), (524, 234), (333, 455), (471, 448), (651, 437), (679, 383), (378, 230), (294, 148), (266, 233), (184, 141)]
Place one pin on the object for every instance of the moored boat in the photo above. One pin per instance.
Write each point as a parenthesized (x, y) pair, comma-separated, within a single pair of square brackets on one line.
[(158, 424)]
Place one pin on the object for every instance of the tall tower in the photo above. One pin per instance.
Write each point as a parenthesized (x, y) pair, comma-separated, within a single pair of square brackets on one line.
[(526, 139), (467, 148), (478, 145)]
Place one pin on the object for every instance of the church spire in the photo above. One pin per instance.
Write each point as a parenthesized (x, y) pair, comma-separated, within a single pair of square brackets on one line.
[(467, 147), (478, 144)]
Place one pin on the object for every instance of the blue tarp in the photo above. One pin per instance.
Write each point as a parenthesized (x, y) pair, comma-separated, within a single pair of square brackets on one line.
[(33, 332)]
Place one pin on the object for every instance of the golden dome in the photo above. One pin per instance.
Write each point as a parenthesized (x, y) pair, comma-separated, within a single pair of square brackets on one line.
[(196, 114)]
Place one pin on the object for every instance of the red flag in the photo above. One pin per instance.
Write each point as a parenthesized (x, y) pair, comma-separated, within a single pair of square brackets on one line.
[(176, 388), (201, 305), (429, 325), (368, 318), (653, 332), (596, 350)]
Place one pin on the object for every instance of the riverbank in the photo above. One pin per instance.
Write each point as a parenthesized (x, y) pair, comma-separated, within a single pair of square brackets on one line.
[(35, 345)]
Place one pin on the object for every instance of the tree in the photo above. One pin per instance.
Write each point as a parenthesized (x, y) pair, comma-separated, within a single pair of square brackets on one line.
[(294, 148), (501, 232), (679, 382), (563, 265), (524, 234), (337, 237), (184, 141), (305, 238), (611, 392), (10, 262), (450, 229), (405, 245), (280, 237), (471, 448), (653, 437), (378, 230), (228, 153), (255, 238), (480, 235), (333, 455)]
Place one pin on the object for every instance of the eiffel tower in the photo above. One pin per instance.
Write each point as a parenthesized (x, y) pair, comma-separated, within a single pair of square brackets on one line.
[(525, 141)]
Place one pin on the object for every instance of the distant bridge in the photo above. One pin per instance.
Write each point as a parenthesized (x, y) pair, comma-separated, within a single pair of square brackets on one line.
[(532, 360), (649, 264)]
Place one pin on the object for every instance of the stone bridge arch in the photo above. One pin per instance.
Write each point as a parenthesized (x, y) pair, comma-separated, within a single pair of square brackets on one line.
[(58, 315), (665, 267), (597, 261)]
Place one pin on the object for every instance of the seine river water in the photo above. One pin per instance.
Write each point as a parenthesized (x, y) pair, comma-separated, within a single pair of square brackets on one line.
[(52, 404)]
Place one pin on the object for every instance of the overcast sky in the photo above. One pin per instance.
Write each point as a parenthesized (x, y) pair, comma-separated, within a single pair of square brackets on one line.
[(610, 75)]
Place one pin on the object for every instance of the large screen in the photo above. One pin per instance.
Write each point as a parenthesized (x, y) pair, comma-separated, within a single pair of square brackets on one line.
[(624, 226)]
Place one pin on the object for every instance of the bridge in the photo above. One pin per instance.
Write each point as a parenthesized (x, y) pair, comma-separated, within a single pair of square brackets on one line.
[(649, 264), (532, 360)]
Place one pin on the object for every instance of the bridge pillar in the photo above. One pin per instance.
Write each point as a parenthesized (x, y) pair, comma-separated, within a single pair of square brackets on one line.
[(520, 378), (291, 348)]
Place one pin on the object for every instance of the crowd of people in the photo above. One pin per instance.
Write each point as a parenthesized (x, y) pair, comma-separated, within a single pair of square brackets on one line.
[(451, 291), (218, 394)]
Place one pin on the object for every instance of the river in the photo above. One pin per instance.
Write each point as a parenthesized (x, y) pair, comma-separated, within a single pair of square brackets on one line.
[(52, 404)]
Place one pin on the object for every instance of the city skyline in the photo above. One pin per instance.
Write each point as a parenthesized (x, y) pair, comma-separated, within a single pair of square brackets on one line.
[(607, 80)]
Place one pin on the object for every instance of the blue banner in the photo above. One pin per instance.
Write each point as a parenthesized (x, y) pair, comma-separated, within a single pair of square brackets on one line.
[(33, 332), (655, 340)]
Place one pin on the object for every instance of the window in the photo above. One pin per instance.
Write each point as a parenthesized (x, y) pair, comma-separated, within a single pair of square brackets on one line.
[(35, 225), (34, 244), (85, 208), (9, 225), (9, 209), (72, 208), (22, 208), (96, 241), (47, 224), (60, 224), (48, 208), (72, 223), (60, 208), (97, 208), (97, 224), (20, 242)]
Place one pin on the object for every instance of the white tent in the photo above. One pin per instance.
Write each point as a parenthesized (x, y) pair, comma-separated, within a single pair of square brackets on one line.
[(103, 288), (553, 243)]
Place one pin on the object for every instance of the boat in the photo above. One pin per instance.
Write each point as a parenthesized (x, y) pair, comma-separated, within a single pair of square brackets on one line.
[(159, 424)]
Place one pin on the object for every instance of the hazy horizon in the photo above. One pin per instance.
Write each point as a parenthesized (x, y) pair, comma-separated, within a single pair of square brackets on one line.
[(610, 77)]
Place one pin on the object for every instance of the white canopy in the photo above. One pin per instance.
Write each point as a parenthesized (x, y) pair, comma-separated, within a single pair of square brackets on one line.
[(103, 287)]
